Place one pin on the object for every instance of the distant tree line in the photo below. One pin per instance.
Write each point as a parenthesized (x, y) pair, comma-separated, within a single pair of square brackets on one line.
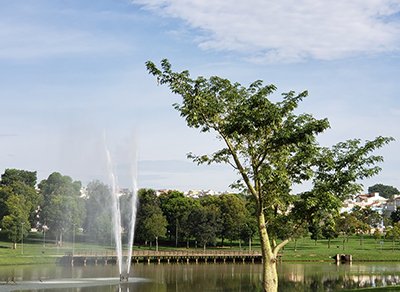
[(384, 190), (58, 206)]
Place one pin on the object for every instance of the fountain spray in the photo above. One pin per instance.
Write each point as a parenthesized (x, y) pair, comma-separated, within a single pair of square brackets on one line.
[(123, 267)]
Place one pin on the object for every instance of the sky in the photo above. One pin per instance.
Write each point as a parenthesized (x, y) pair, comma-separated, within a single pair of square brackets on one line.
[(73, 81)]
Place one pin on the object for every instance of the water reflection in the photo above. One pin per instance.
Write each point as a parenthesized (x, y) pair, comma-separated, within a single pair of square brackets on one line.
[(330, 277), (207, 277)]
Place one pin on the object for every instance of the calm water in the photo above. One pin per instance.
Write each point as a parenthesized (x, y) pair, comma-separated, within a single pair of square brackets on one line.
[(196, 278)]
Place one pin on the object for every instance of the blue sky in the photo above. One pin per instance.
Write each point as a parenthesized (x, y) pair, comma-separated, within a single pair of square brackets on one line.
[(72, 79)]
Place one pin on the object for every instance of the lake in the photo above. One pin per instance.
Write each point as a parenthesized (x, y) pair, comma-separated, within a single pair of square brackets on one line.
[(196, 278)]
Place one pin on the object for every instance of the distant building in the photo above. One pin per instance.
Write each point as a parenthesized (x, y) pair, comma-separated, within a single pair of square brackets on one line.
[(201, 193), (192, 193), (373, 201), (393, 204)]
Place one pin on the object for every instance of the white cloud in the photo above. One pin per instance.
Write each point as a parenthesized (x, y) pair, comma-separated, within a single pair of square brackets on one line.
[(287, 30)]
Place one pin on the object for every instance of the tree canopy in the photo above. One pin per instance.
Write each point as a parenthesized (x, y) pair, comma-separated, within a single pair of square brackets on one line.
[(384, 190), (18, 203), (97, 222), (270, 146), (63, 206)]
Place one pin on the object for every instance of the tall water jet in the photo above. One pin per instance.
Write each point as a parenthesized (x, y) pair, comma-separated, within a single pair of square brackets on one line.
[(123, 266), (133, 209)]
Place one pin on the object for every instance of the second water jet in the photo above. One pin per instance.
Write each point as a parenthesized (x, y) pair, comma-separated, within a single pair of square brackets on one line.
[(116, 213)]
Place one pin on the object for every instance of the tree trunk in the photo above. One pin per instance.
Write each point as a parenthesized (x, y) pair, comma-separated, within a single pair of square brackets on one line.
[(157, 243), (61, 240), (14, 246), (270, 275), (176, 233)]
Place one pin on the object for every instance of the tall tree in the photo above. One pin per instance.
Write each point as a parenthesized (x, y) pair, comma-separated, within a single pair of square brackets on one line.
[(150, 221), (176, 208), (97, 223), (269, 145), (347, 224), (16, 222), (21, 183), (368, 216), (156, 226), (249, 229), (205, 224), (63, 207), (329, 230), (233, 216), (185, 227)]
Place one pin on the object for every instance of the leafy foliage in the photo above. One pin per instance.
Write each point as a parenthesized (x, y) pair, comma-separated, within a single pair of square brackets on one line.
[(176, 207), (10, 176), (97, 222), (340, 169), (384, 190), (18, 203), (21, 183), (63, 206), (395, 216), (271, 147), (233, 214), (16, 223), (150, 221), (205, 224)]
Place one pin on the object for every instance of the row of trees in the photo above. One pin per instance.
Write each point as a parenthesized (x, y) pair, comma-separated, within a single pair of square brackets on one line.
[(58, 206), (227, 217)]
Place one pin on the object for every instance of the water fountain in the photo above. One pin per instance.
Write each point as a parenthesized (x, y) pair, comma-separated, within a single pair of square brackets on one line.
[(123, 266), (123, 259)]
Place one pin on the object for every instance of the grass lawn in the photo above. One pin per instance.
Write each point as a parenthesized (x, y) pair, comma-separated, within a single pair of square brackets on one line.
[(367, 249), (35, 252)]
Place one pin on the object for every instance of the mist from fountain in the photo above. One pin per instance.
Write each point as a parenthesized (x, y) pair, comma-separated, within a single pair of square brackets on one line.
[(123, 266)]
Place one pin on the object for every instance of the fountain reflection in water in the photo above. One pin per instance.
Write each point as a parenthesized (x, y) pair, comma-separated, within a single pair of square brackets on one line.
[(123, 264)]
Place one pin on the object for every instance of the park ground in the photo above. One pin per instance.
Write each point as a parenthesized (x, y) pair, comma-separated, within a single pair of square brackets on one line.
[(366, 248)]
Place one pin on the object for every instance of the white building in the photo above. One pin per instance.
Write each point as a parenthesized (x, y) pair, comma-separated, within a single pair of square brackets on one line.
[(373, 201)]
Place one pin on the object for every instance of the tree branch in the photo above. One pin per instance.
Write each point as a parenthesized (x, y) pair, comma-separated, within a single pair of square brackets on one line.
[(240, 167), (278, 247)]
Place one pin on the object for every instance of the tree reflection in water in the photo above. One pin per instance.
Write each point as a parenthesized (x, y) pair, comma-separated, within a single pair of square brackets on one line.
[(329, 277), (215, 277)]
